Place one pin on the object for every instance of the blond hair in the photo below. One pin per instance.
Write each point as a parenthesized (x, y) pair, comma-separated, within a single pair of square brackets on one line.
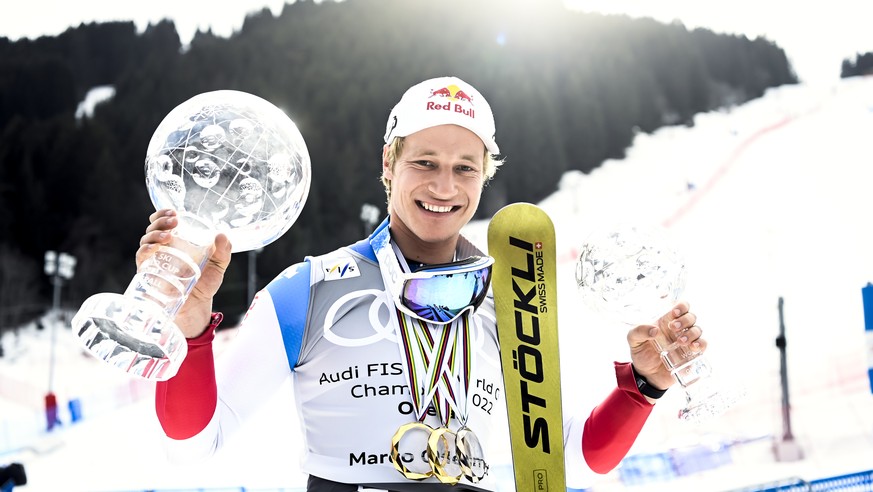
[(491, 163)]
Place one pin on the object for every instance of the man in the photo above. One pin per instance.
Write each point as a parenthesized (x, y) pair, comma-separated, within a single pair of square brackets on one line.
[(396, 374)]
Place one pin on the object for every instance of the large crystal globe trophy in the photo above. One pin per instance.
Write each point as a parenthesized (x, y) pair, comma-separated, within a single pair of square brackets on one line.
[(228, 162), (635, 275)]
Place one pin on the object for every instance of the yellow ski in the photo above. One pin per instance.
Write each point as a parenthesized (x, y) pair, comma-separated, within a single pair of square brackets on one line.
[(521, 238)]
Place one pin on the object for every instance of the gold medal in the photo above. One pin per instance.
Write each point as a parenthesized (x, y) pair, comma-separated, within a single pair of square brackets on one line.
[(439, 455), (446, 461), (395, 450)]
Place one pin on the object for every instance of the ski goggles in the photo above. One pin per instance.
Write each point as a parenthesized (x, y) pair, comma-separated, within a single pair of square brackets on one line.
[(438, 293)]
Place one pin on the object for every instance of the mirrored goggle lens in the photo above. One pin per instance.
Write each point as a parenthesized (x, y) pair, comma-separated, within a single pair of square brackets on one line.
[(442, 298)]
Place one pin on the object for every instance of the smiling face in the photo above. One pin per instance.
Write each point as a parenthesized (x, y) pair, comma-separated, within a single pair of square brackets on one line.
[(436, 184)]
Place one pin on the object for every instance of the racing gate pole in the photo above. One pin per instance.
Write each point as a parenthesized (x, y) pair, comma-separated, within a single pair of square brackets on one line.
[(785, 448)]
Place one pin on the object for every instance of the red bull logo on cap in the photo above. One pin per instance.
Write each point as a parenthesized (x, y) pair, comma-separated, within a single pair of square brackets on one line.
[(452, 92), (455, 98)]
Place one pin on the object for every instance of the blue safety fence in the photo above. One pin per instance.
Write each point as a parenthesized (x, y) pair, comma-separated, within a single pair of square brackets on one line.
[(853, 482)]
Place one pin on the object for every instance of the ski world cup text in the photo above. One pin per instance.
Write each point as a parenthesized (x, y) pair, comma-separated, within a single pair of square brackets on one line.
[(529, 289)]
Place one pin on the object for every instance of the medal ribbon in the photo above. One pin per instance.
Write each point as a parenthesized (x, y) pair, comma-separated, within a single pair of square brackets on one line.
[(425, 360), (438, 371), (441, 369), (461, 364)]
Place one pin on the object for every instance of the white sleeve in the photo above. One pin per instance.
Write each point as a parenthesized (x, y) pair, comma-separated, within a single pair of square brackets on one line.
[(578, 474), (252, 368)]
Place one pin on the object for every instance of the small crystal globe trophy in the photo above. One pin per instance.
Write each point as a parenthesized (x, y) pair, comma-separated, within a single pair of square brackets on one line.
[(227, 162), (634, 275)]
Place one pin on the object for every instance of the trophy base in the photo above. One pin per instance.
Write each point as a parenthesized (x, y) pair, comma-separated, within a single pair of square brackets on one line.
[(130, 334), (701, 406)]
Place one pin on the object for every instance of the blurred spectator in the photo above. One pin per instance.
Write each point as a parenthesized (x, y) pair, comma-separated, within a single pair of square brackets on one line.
[(51, 411), (12, 475)]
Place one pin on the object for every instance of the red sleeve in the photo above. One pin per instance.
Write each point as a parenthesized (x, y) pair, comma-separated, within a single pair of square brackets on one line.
[(614, 425), (186, 402)]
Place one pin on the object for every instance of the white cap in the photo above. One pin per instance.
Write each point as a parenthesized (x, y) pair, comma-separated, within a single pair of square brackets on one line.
[(442, 101)]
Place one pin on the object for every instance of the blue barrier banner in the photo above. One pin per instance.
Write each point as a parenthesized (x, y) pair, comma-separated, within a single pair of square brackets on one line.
[(867, 295), (695, 459), (646, 468)]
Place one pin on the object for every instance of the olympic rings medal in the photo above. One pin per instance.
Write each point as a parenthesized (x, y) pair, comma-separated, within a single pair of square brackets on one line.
[(395, 450), (470, 455), (440, 456)]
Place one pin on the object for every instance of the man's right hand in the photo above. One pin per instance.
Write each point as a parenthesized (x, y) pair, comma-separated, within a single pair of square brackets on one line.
[(194, 315)]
